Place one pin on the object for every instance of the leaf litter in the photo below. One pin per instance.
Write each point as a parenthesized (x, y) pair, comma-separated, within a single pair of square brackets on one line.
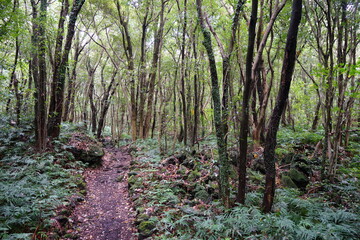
[(106, 213)]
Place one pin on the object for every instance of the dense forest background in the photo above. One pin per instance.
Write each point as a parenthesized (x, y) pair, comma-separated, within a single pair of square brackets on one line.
[(264, 79)]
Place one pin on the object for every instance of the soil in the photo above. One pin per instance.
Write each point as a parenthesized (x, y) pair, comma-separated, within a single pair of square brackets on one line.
[(106, 213)]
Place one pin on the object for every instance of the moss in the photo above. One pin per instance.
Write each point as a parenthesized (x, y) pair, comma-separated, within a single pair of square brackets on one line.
[(203, 195), (298, 178), (287, 182), (146, 228), (83, 192), (81, 184), (131, 180), (142, 217)]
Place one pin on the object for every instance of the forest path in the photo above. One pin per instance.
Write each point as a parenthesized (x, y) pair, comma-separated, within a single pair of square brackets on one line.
[(106, 213)]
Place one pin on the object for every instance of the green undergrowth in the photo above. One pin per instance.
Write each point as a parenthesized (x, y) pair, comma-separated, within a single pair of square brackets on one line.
[(33, 185), (176, 197)]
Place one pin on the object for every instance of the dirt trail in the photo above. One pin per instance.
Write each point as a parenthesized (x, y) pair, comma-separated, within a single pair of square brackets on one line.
[(106, 213)]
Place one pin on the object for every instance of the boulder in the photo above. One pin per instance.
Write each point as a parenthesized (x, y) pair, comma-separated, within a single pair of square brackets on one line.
[(258, 164), (203, 195), (288, 182), (146, 229), (298, 178), (234, 156), (86, 149)]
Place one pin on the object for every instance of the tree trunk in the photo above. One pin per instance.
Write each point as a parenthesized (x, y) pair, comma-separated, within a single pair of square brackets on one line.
[(142, 87), (92, 104), (72, 79), (244, 122), (285, 82), (154, 66), (220, 136), (130, 58), (39, 72), (105, 103), (196, 95), (57, 96)]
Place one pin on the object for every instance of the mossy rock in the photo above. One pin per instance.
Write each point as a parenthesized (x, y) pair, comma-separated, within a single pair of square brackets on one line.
[(134, 183), (303, 167), (146, 229), (298, 178), (132, 180), (86, 149), (287, 182), (141, 218), (81, 184), (234, 156), (258, 164), (203, 195)]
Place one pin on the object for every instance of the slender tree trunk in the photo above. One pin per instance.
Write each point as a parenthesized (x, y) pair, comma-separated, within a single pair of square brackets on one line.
[(92, 103), (244, 122), (154, 66), (13, 79), (196, 95), (72, 80), (130, 58), (258, 73), (329, 65), (285, 82), (220, 136), (39, 73), (105, 103), (142, 88), (316, 116), (182, 75)]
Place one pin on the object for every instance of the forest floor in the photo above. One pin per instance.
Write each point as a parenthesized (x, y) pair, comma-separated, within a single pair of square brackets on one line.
[(106, 213)]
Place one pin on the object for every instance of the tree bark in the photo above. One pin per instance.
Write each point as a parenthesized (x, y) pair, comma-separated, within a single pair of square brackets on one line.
[(220, 136), (285, 82), (244, 122), (154, 66), (39, 73), (130, 58), (182, 76), (57, 96), (105, 102)]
